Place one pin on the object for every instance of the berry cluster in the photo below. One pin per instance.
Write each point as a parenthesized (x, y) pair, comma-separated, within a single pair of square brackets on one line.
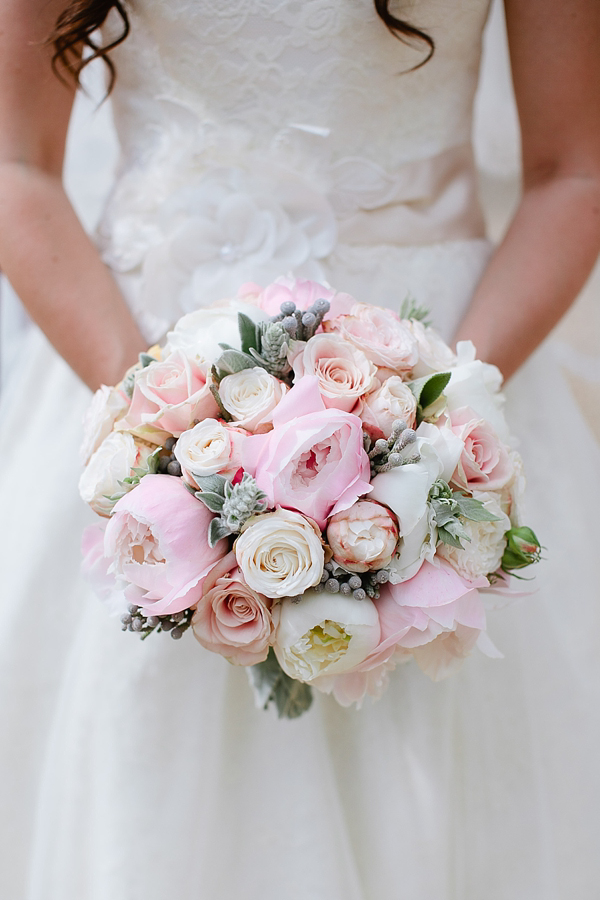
[(299, 325), (167, 464), (140, 622), (335, 580)]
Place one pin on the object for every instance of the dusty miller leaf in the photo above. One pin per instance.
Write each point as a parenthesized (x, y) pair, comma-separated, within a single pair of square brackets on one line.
[(474, 510), (272, 685)]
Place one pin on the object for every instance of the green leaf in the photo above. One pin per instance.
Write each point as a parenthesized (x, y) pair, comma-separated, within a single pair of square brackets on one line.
[(233, 361), (433, 388), (214, 502), (272, 685), (217, 530), (225, 414), (474, 510), (146, 360), (446, 537), (248, 333), (214, 483)]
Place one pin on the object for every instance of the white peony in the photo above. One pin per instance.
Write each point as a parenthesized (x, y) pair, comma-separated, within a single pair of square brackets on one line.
[(250, 396), (200, 333), (280, 553), (107, 405), (405, 489), (209, 448), (414, 549), (112, 462), (324, 634), (476, 384), (434, 354), (483, 554)]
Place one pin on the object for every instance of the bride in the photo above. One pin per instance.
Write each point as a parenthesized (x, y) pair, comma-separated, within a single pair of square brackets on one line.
[(330, 138)]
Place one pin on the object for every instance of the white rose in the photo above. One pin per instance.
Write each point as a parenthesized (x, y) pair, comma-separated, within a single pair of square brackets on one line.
[(483, 554), (324, 634), (106, 406), (209, 448), (344, 372), (112, 462), (250, 396), (434, 354), (477, 384), (199, 333), (391, 402), (280, 553)]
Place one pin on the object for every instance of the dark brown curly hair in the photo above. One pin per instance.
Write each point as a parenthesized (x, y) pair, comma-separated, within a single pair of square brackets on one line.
[(81, 18)]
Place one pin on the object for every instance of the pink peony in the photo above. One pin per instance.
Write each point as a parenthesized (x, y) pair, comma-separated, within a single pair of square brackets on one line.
[(300, 291), (313, 461), (380, 334), (171, 395), (233, 620), (363, 537), (344, 372), (157, 539), (485, 463)]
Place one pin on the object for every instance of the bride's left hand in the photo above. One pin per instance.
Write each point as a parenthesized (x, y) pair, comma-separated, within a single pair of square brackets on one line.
[(554, 238)]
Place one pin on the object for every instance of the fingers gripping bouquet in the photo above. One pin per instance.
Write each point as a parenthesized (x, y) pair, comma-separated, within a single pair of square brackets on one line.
[(318, 489)]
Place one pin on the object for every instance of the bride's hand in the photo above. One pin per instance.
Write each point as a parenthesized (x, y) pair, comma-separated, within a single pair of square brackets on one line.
[(554, 238), (44, 251)]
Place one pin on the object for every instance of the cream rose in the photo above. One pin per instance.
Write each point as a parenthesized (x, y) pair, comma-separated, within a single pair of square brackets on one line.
[(324, 634), (483, 554), (392, 401), (280, 553), (363, 537), (250, 396), (344, 372), (112, 462), (434, 354), (107, 405), (209, 448)]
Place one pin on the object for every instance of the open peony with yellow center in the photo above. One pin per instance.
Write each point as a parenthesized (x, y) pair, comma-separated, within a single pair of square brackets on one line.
[(280, 553), (324, 634)]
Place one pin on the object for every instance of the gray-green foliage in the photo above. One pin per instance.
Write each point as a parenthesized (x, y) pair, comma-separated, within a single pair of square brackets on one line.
[(264, 344), (272, 685), (233, 503), (449, 507), (411, 310)]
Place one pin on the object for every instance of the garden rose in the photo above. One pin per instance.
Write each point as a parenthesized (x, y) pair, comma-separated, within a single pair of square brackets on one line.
[(250, 396), (394, 400), (485, 463), (171, 395), (380, 334), (363, 537), (280, 553), (344, 372), (434, 354), (158, 538), (200, 333), (209, 448), (483, 554), (107, 405), (109, 465), (324, 634), (313, 460), (233, 620)]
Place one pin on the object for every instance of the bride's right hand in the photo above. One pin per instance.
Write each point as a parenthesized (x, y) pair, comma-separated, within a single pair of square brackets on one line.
[(44, 251)]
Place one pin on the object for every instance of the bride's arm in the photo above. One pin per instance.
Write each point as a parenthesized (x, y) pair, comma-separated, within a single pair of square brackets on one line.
[(554, 238), (44, 251)]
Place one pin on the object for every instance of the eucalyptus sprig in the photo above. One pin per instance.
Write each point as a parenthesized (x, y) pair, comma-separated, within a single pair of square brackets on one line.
[(233, 503), (450, 507)]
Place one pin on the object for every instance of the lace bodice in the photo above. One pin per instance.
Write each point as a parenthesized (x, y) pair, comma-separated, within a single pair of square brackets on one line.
[(261, 136)]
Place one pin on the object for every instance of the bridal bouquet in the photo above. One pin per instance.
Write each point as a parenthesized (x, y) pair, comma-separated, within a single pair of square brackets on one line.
[(318, 489)]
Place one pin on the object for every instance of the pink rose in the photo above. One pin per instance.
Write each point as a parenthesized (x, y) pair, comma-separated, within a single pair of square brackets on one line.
[(157, 538), (485, 463), (171, 395), (380, 334), (393, 401), (363, 537), (233, 620), (344, 372), (300, 291), (313, 461)]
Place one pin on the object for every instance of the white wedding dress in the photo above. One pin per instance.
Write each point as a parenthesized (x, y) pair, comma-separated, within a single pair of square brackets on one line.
[(262, 137)]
